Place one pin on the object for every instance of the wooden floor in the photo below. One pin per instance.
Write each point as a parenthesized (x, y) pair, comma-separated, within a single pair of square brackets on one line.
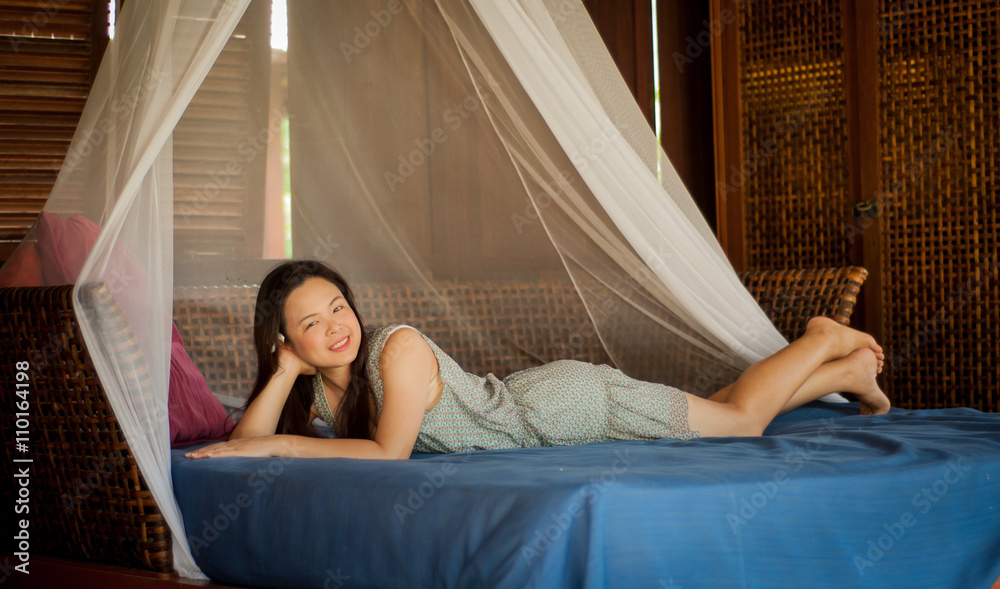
[(46, 573)]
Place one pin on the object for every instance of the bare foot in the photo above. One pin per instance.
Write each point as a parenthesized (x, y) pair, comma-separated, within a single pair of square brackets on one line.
[(844, 339), (860, 370)]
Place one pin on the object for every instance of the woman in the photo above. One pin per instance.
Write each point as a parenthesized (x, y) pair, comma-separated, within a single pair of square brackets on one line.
[(391, 392)]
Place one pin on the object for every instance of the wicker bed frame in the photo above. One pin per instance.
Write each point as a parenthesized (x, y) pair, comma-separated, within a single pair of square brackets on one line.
[(89, 499)]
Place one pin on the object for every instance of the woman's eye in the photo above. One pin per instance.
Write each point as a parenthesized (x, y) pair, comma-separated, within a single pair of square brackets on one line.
[(311, 324), (335, 309)]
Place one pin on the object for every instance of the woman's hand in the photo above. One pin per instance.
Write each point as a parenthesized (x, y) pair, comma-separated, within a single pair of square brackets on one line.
[(262, 447), (290, 362)]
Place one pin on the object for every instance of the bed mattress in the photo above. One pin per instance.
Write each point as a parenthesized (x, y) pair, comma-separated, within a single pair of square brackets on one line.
[(826, 498)]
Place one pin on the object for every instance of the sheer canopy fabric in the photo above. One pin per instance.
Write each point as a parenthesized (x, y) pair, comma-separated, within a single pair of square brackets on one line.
[(423, 144)]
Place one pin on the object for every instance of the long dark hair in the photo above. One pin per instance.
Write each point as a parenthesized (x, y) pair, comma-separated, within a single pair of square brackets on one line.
[(353, 416)]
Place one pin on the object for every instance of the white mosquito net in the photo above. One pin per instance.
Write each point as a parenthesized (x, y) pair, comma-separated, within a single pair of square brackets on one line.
[(438, 145)]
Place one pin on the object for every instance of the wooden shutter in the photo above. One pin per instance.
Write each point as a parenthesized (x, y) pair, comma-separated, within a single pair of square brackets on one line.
[(49, 53), (220, 148)]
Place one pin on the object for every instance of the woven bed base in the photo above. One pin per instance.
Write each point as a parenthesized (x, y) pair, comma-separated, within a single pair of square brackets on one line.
[(89, 500)]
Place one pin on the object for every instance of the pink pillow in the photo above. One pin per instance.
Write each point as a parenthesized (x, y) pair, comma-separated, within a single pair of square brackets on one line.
[(195, 414), (24, 268), (65, 244)]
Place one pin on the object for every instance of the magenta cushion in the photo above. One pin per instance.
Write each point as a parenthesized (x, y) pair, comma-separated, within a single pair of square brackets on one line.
[(64, 243)]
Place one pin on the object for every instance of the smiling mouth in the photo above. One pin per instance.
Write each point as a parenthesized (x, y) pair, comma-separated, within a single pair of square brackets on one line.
[(341, 345)]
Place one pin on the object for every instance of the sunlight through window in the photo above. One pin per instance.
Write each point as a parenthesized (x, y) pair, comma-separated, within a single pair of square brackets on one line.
[(279, 25)]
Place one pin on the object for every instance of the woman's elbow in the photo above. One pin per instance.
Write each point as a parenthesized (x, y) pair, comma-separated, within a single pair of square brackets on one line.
[(402, 453), (239, 433)]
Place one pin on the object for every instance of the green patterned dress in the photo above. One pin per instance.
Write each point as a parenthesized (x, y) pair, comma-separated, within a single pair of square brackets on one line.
[(561, 403)]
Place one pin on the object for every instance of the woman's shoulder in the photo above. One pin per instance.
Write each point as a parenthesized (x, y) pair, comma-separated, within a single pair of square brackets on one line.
[(382, 332), (395, 341), (401, 336), (378, 337)]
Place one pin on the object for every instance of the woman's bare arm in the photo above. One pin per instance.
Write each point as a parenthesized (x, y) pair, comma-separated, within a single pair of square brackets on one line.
[(261, 417), (294, 446), (406, 365)]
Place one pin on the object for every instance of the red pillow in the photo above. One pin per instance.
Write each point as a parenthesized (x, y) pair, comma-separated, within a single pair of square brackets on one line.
[(195, 414), (24, 268)]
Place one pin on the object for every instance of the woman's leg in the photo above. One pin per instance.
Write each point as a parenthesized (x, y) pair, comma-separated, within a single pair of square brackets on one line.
[(765, 388), (854, 373)]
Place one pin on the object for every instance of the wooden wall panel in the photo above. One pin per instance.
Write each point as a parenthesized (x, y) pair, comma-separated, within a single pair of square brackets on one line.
[(686, 96), (795, 177), (904, 130), (939, 104)]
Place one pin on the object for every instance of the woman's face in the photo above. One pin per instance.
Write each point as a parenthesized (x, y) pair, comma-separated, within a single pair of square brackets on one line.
[(320, 326)]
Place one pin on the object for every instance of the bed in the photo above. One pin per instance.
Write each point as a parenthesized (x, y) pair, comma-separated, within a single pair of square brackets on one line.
[(827, 498)]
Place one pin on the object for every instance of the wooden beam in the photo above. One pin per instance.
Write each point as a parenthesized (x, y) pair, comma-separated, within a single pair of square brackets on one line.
[(727, 117), (860, 21)]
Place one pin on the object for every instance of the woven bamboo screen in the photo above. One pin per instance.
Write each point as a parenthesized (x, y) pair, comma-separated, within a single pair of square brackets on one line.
[(940, 152), (934, 67), (795, 175)]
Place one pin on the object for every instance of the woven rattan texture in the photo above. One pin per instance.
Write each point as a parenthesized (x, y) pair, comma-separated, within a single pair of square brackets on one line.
[(500, 323), (216, 324), (939, 105), (88, 499), (505, 326), (795, 177), (791, 297)]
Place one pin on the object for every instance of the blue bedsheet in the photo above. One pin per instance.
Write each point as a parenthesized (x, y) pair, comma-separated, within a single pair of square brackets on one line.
[(827, 498)]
